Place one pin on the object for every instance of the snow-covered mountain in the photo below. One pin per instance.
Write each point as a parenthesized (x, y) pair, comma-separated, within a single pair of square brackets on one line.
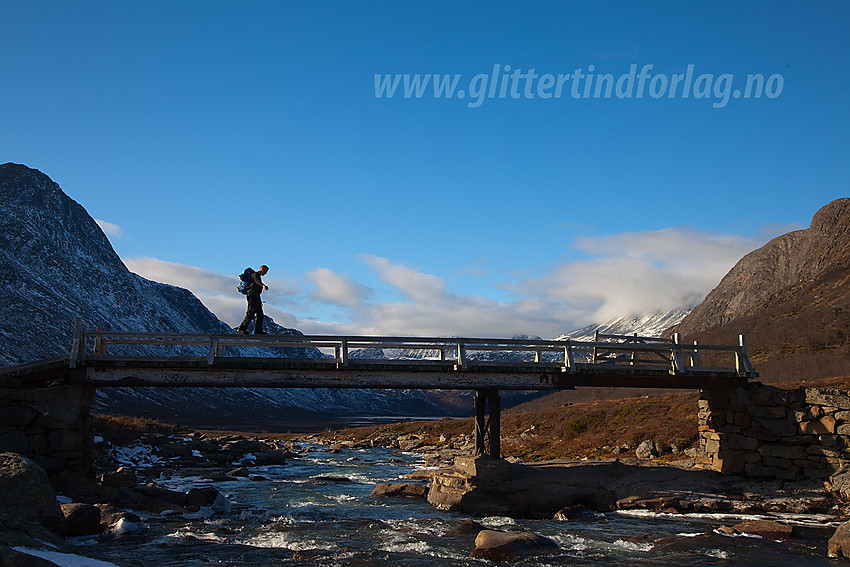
[(56, 264), (648, 325)]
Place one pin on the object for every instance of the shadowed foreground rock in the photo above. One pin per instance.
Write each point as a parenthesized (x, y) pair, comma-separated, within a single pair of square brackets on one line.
[(82, 519), (27, 495), (510, 546)]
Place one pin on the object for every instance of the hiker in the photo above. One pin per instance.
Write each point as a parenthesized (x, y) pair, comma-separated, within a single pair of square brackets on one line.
[(255, 305)]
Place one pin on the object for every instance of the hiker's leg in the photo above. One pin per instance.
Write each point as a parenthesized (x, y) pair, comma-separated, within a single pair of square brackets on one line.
[(243, 326), (258, 328), (249, 316)]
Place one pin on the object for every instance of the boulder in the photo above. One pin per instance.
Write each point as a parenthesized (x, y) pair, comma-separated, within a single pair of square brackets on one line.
[(400, 490), (110, 514), (222, 504), (647, 450), (569, 513), (126, 525), (82, 519), (767, 529), (173, 497), (197, 497), (122, 478), (267, 458), (510, 546), (27, 493), (466, 527), (839, 543), (840, 484)]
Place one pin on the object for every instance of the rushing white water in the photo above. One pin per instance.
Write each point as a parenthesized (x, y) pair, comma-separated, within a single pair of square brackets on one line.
[(316, 510)]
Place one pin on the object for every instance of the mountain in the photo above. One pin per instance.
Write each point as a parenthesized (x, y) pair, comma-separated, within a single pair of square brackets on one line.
[(791, 297), (56, 264), (646, 325)]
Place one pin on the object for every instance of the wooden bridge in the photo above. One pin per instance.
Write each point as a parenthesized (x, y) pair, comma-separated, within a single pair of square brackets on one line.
[(322, 361)]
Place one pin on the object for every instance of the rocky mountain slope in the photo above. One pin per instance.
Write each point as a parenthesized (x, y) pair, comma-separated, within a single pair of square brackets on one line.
[(791, 298), (56, 264)]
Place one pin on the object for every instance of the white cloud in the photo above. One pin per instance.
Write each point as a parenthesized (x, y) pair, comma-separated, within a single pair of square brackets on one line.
[(336, 288), (430, 310), (617, 275), (631, 273), (411, 283), (109, 229)]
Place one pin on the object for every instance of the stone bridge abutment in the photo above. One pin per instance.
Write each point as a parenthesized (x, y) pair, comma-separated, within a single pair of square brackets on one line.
[(764, 431), (49, 423)]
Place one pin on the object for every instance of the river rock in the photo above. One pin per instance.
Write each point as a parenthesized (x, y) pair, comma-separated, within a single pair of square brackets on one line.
[(82, 519), (840, 483), (125, 525), (198, 497), (540, 490), (510, 546), (767, 529), (400, 490), (267, 458), (110, 514), (121, 478), (466, 527), (571, 513), (27, 494), (222, 504), (647, 450), (501, 488), (172, 497), (839, 543)]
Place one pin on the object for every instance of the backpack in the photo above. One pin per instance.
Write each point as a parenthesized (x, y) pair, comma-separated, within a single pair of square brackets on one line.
[(246, 278)]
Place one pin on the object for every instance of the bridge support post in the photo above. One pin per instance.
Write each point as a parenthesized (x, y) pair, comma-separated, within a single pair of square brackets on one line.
[(480, 423), (487, 431)]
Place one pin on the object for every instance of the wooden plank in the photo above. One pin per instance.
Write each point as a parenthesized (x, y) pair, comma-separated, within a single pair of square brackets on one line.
[(307, 374)]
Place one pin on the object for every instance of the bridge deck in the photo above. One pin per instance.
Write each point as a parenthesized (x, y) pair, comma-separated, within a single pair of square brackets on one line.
[(392, 362)]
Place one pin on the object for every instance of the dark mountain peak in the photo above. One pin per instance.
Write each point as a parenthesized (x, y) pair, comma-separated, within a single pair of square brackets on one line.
[(19, 182), (45, 231), (832, 219), (15, 170), (56, 264)]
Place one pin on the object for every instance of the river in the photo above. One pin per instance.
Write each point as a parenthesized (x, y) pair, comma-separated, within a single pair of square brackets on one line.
[(316, 511)]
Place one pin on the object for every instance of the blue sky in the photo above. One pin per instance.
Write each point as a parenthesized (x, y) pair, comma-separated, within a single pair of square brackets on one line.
[(210, 136)]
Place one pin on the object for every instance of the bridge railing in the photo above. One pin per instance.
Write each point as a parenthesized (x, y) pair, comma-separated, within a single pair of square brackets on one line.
[(615, 351)]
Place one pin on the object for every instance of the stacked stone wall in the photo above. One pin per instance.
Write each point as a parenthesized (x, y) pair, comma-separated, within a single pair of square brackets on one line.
[(49, 424), (768, 432)]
